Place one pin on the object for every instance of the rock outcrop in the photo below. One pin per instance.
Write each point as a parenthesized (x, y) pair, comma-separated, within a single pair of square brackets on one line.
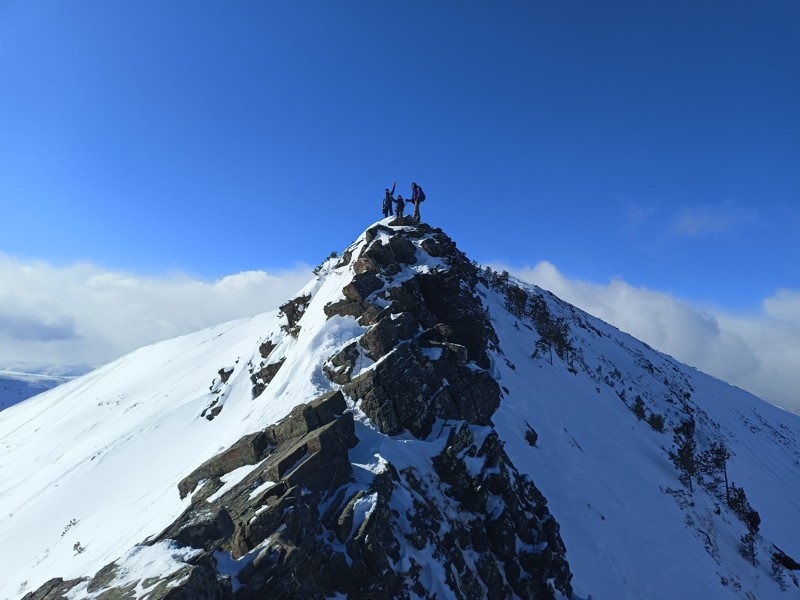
[(297, 524), (429, 334)]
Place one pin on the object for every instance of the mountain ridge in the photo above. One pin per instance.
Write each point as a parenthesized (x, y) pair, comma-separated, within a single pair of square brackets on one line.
[(526, 404)]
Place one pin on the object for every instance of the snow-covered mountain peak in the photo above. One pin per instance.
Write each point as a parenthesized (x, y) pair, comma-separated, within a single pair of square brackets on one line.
[(408, 425)]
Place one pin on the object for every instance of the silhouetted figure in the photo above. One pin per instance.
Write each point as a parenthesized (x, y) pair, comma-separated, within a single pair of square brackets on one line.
[(388, 199), (417, 196), (401, 204)]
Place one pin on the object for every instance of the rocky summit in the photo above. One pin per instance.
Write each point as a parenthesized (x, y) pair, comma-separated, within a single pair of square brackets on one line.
[(411, 425)]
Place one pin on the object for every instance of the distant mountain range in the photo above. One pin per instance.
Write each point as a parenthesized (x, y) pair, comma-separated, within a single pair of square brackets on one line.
[(19, 380)]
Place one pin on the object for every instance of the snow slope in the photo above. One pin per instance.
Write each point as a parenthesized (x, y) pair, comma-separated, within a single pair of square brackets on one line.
[(631, 529), (90, 469)]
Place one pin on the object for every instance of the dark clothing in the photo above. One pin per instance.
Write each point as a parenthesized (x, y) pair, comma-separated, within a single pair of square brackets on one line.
[(387, 202), (387, 207), (417, 196), (400, 207)]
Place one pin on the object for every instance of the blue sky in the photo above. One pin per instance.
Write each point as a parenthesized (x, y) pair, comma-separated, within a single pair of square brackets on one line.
[(655, 143)]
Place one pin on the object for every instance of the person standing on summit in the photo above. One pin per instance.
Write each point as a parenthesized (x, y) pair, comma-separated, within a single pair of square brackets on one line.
[(417, 196), (388, 199)]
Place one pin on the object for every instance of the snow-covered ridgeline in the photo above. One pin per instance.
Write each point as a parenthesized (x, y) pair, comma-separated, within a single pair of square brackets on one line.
[(90, 470)]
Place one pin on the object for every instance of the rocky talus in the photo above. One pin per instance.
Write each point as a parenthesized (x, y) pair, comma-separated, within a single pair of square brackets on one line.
[(301, 526)]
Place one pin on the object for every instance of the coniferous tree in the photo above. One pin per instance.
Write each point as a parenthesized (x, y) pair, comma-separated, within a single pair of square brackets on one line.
[(502, 280), (516, 300), (741, 506), (638, 408), (747, 546), (685, 457), (537, 311), (489, 272), (739, 503), (656, 421), (714, 464)]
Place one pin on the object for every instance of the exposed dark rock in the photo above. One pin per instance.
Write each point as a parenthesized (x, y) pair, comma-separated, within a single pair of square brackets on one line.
[(519, 512), (438, 246), (452, 352), (387, 333), (345, 260), (218, 393), (262, 378), (390, 255), (307, 417), (266, 348), (406, 390), (373, 232), (445, 297), (531, 436), (295, 308), (365, 265), (440, 332), (401, 221), (252, 448), (191, 581), (408, 297), (342, 364), (204, 528), (474, 393), (361, 286), (225, 374), (393, 391), (346, 308), (783, 559), (490, 574), (247, 451), (307, 527), (54, 589), (212, 412)]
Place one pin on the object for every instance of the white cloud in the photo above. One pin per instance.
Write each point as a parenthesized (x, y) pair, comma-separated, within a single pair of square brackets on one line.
[(759, 352), (710, 219), (83, 313), (784, 305)]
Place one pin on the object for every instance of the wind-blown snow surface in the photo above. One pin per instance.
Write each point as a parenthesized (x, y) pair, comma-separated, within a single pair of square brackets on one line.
[(90, 469)]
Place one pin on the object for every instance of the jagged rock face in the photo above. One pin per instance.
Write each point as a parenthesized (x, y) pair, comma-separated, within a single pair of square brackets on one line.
[(431, 347), (303, 421), (194, 579), (299, 522), (294, 309), (508, 521), (432, 339), (264, 376), (52, 590)]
